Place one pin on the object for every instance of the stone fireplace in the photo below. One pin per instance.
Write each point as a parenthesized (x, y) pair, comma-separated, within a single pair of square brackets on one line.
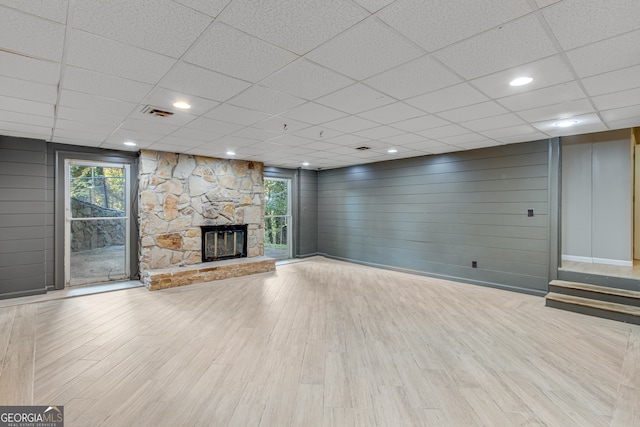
[(179, 194), (223, 242)]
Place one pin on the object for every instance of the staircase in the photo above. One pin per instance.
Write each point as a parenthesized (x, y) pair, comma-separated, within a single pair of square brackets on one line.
[(601, 301)]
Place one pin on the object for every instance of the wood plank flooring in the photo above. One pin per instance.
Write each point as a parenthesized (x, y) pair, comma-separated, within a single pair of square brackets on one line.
[(320, 343)]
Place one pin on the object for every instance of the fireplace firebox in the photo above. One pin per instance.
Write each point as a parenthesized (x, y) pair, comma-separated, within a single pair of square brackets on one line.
[(223, 242)]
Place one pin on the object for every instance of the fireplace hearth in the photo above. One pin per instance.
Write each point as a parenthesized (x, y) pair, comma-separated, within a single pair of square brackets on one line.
[(223, 242)]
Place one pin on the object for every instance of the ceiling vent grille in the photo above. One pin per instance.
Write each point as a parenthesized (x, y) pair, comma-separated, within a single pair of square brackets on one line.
[(148, 109), (363, 148)]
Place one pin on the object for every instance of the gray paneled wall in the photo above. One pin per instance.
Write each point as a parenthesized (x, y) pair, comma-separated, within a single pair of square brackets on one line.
[(437, 214), (26, 217)]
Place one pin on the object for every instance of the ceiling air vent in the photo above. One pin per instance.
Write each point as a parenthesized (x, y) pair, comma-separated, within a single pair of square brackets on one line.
[(363, 148), (156, 111)]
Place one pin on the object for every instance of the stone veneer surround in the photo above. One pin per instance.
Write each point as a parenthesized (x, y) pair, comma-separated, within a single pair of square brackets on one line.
[(178, 193)]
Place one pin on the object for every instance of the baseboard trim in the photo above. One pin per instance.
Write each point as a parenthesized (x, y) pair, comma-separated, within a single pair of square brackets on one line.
[(23, 293), (593, 260), (535, 292)]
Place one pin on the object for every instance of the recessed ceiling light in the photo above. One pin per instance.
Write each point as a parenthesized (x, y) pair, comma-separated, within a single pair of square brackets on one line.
[(566, 123), (306, 164), (392, 150), (130, 143), (230, 153), (521, 81), (182, 105)]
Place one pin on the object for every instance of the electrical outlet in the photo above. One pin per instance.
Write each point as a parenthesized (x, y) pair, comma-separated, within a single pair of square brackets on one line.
[(530, 212), (474, 264)]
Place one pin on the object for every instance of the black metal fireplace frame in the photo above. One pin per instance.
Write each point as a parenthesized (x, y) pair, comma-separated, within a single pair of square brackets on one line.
[(223, 228)]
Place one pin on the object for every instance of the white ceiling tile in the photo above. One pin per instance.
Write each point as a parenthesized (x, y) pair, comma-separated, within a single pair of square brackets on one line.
[(617, 100), (497, 85), (445, 149), (379, 132), (350, 124), (420, 123), (533, 136), (295, 25), (255, 133), (509, 131), (355, 99), (79, 135), (266, 100), (545, 3), (165, 98), (482, 143), (624, 123), (425, 145), (473, 112), (28, 90), (27, 119), (104, 129), (438, 23), (443, 131), (374, 5), (209, 7), (391, 113), (72, 141), (319, 148), (281, 124), (406, 138), (612, 54), (499, 48), (541, 97), (121, 147), (349, 140), (31, 36), (317, 133), (104, 85), (121, 135), (557, 111), (25, 68), (446, 99), (88, 116), (148, 126), (24, 130), (307, 80), (586, 121), (290, 141), (55, 10), (419, 76), (314, 113), (98, 104), (238, 115), (356, 52), (462, 139), (182, 141), (195, 135), (25, 106), (210, 125), (177, 119), (232, 52), (174, 146), (574, 22), (161, 26), (615, 81), (201, 82), (95, 53), (631, 112), (495, 122)]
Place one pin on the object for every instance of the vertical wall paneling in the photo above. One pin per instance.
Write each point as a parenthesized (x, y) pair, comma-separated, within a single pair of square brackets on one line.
[(435, 215), (554, 197), (24, 216), (597, 217)]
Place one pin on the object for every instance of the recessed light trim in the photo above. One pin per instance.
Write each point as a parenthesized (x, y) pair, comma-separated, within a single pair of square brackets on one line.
[(130, 143), (182, 105), (521, 81), (306, 164), (231, 153), (566, 123), (392, 150)]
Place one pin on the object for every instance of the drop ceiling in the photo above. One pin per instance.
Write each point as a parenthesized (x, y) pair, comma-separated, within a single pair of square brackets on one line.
[(288, 82)]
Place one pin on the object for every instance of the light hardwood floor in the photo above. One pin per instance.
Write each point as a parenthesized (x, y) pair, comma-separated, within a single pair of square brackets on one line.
[(320, 343)]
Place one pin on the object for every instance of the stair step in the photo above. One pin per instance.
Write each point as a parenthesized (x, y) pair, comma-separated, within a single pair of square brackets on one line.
[(596, 289), (610, 310)]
